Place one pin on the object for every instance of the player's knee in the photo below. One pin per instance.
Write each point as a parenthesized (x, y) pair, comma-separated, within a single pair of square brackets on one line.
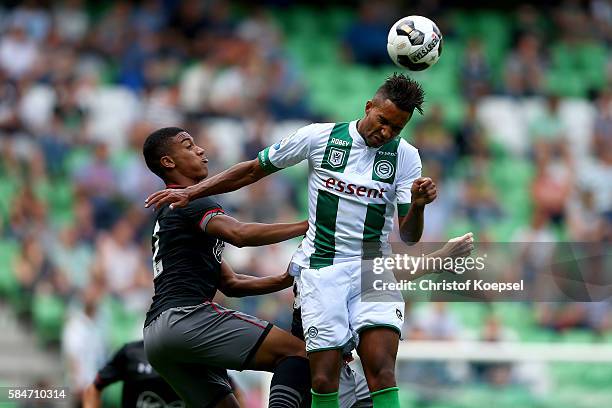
[(381, 378), (323, 383)]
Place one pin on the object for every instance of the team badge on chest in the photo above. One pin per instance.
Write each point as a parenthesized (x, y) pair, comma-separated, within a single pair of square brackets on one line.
[(336, 157), (384, 169)]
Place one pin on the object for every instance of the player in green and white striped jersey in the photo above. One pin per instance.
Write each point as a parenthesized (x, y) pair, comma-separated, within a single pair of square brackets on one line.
[(358, 172)]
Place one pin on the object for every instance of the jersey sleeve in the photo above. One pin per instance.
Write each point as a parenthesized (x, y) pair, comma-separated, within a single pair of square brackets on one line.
[(410, 170), (199, 212), (114, 370), (288, 152)]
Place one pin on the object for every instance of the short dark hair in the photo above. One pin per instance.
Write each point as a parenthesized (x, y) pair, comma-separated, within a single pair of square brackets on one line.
[(156, 147), (406, 93)]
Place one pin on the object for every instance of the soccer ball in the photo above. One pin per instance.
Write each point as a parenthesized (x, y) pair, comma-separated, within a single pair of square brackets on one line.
[(414, 43)]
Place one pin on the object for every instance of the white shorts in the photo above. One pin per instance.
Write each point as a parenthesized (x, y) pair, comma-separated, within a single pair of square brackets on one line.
[(333, 311)]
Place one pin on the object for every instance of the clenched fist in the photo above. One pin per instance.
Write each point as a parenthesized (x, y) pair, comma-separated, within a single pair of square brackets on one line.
[(423, 191)]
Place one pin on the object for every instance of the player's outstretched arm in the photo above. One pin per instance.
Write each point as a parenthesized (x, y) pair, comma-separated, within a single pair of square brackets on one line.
[(92, 397), (458, 247), (411, 225), (241, 234), (237, 285), (234, 178)]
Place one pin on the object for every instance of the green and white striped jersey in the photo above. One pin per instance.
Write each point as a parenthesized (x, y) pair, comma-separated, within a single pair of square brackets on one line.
[(352, 190)]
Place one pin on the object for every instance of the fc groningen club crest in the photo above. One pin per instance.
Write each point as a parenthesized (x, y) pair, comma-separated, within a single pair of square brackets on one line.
[(336, 157), (384, 169)]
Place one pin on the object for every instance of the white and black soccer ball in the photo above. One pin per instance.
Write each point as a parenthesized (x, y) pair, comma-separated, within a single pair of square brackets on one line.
[(414, 43)]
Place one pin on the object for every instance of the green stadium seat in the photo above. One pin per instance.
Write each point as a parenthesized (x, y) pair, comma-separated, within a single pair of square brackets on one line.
[(8, 282), (48, 312)]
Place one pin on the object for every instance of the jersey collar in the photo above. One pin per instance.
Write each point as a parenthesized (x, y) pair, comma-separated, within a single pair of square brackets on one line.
[(358, 140)]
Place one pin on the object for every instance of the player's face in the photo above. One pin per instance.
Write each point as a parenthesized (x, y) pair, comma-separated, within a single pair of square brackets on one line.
[(189, 158), (383, 122)]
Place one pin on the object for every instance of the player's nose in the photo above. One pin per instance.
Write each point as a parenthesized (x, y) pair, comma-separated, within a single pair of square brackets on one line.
[(386, 132)]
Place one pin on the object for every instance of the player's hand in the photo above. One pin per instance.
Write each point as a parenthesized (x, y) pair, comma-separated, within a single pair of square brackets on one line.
[(176, 197), (423, 191), (458, 247)]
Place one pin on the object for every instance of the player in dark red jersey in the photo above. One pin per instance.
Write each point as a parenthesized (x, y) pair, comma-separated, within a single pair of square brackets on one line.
[(189, 339)]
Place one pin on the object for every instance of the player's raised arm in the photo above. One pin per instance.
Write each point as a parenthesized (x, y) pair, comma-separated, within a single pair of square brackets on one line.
[(458, 247), (234, 178), (237, 285), (411, 225), (242, 234), (289, 151)]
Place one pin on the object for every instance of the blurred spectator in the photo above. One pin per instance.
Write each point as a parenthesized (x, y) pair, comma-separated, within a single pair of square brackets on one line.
[(601, 13), (83, 343), (478, 201), (285, 92), (259, 28), (70, 20), (137, 181), (536, 250), (475, 71), (97, 181), (364, 40), (471, 138), (552, 185), (32, 270), (549, 128), (602, 129), (18, 52), (35, 20), (434, 140), (195, 87), (122, 265), (72, 258), (28, 215), (529, 21), (584, 222), (496, 374), (560, 317), (525, 68), (434, 322), (258, 129)]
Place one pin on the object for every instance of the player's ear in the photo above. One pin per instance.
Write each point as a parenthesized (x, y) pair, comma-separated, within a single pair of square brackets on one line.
[(368, 106), (167, 162)]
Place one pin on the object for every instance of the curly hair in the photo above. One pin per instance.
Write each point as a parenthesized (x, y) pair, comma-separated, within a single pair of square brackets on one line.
[(406, 93)]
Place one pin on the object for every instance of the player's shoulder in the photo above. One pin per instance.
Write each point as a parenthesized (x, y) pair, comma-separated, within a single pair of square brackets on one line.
[(407, 152), (317, 129), (408, 157), (195, 208), (205, 202), (406, 148)]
